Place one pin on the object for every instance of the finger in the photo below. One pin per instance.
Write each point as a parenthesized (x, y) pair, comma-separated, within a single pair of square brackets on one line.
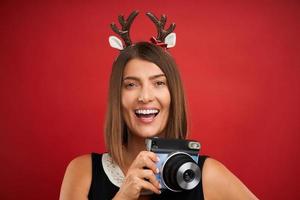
[(148, 186), (152, 166), (149, 176), (145, 160), (151, 155)]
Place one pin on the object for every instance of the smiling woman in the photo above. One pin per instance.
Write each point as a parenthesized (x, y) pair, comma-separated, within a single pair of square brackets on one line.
[(145, 76), (146, 99)]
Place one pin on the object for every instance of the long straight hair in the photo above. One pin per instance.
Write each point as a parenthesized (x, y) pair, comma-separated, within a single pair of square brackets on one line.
[(115, 126)]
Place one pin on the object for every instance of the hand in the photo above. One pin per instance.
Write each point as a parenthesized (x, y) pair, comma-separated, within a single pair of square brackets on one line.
[(140, 175)]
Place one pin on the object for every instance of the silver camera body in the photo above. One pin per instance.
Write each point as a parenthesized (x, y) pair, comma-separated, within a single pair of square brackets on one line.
[(178, 163)]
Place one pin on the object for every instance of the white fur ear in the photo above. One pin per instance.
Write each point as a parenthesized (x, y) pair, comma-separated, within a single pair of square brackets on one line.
[(170, 40), (115, 42)]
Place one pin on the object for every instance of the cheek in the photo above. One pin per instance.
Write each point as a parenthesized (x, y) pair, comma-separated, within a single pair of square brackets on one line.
[(166, 99), (126, 102)]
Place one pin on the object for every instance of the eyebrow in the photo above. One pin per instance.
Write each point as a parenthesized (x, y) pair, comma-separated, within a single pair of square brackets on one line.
[(137, 79)]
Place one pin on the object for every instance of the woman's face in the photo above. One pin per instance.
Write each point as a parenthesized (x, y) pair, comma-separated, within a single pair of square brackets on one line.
[(145, 98)]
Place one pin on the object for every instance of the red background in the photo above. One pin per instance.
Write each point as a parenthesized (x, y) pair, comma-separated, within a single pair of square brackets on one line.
[(240, 66)]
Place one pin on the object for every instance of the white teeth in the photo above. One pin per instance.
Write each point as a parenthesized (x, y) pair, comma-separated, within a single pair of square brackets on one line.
[(146, 112)]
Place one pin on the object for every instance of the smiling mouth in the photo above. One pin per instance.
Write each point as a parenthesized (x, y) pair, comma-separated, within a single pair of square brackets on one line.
[(146, 113)]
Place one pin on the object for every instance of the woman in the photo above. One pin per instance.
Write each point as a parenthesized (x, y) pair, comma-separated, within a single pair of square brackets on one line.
[(146, 99)]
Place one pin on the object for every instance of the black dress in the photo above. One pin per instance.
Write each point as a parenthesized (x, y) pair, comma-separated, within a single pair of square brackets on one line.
[(101, 187)]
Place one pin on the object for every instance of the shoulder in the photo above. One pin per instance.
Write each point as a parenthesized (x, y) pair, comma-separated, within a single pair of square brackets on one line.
[(220, 183), (80, 166), (77, 179)]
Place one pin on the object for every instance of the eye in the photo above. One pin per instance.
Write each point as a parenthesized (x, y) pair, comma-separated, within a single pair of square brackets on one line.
[(130, 85), (160, 83)]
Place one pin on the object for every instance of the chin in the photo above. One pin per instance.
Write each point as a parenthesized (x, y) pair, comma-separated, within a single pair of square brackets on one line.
[(152, 134), (148, 133)]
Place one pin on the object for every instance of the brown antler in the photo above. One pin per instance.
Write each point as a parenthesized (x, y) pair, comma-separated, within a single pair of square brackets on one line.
[(124, 32), (160, 25)]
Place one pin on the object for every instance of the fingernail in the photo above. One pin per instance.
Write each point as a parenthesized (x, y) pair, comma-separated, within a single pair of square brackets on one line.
[(157, 158), (159, 186), (159, 192), (157, 170)]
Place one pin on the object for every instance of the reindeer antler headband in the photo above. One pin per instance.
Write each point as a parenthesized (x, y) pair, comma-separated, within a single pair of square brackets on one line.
[(164, 38)]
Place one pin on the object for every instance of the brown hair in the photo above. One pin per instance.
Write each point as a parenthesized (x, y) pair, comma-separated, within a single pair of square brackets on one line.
[(115, 127)]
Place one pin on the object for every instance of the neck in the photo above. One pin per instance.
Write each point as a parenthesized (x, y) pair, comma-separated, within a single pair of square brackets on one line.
[(134, 146)]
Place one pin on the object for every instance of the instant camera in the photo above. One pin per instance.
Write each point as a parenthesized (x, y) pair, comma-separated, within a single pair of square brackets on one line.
[(178, 164)]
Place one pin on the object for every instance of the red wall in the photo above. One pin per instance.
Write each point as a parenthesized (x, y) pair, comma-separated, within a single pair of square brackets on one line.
[(240, 66)]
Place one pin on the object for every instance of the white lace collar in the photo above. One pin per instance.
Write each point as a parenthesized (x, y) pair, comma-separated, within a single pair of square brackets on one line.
[(112, 170), (114, 173)]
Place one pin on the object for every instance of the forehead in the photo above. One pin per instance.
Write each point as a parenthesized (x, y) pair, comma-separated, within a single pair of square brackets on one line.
[(141, 68)]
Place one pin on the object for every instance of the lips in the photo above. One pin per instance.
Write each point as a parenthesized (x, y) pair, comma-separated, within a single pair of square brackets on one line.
[(146, 115)]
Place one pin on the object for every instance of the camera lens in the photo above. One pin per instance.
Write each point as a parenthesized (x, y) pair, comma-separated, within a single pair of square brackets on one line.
[(188, 175), (180, 172)]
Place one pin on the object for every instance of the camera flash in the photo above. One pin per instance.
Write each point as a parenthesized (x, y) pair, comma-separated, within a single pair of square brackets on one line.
[(194, 145)]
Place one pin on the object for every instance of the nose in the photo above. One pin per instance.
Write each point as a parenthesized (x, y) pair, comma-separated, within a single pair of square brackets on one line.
[(146, 95)]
